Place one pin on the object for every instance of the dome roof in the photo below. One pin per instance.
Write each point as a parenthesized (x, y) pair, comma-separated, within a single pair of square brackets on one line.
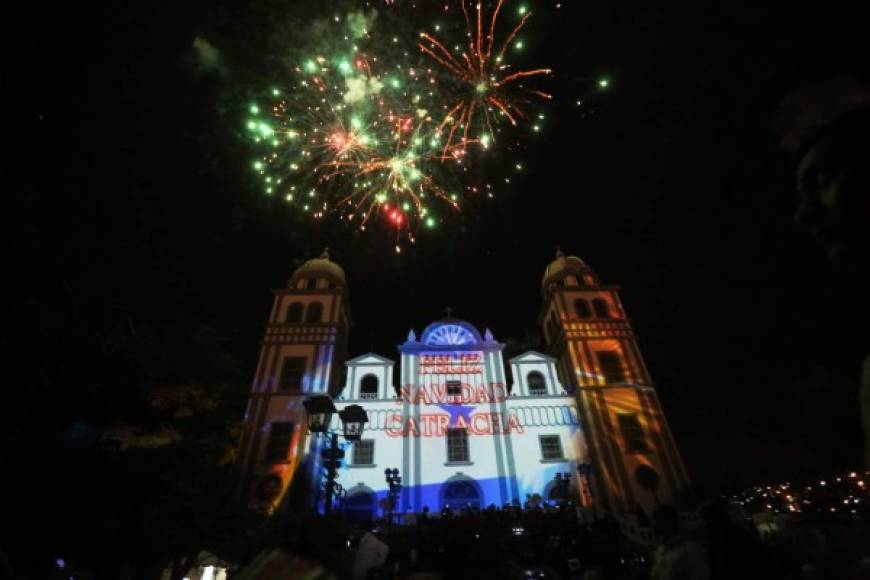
[(563, 265), (450, 332), (321, 267)]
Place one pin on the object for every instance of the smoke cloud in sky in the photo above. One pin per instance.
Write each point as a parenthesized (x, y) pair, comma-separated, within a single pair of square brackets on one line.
[(208, 57), (359, 88), (360, 23)]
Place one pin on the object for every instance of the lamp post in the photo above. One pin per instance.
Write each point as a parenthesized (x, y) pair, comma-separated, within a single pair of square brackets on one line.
[(340, 493), (353, 418), (585, 472), (394, 482)]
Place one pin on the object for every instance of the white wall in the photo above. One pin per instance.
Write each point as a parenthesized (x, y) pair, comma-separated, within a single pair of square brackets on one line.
[(505, 466), (369, 364), (530, 362)]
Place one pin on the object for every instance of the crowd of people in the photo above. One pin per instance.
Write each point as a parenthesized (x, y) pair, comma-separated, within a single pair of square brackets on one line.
[(561, 543)]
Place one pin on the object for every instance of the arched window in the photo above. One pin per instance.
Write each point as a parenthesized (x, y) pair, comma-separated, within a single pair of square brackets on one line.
[(581, 307), (311, 284), (461, 494), (294, 313), (368, 387), (561, 491), (580, 280), (360, 506), (536, 383), (556, 494), (314, 312), (600, 307)]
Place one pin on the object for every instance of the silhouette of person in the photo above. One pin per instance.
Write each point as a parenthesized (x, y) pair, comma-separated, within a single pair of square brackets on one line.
[(677, 557), (826, 128), (371, 554)]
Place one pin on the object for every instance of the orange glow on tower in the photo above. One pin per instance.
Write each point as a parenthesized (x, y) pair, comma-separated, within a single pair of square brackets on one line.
[(587, 330)]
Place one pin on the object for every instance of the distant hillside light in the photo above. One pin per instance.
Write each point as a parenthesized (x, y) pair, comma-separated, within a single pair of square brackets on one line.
[(603, 83)]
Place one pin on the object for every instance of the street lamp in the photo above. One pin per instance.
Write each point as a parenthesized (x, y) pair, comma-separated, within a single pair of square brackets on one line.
[(394, 483), (340, 493), (354, 418), (320, 411)]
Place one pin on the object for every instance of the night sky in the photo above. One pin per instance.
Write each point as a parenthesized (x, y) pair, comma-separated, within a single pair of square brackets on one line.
[(131, 198)]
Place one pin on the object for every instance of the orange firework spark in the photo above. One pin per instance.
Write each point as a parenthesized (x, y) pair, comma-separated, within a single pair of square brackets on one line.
[(394, 182), (490, 85)]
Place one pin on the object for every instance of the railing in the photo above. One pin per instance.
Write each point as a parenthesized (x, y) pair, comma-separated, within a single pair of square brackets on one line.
[(598, 329), (296, 332)]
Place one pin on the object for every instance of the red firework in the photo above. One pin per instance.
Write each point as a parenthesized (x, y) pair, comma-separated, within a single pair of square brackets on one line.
[(490, 85)]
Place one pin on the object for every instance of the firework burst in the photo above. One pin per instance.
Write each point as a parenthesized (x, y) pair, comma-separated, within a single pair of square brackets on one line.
[(489, 88), (373, 129)]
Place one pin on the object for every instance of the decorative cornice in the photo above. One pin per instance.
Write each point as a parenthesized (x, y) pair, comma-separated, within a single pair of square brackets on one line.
[(417, 348)]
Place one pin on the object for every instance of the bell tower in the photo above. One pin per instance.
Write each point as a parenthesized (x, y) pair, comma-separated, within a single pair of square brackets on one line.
[(634, 458), (302, 352)]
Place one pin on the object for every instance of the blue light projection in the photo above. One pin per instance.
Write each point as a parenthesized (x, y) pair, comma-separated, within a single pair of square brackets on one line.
[(457, 411), (453, 383), (449, 335), (458, 492)]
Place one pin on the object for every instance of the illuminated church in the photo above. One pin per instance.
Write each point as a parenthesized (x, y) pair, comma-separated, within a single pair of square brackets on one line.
[(463, 426)]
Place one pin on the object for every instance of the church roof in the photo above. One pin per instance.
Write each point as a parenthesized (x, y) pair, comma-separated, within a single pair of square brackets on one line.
[(563, 265), (531, 356), (321, 267), (450, 332), (369, 358)]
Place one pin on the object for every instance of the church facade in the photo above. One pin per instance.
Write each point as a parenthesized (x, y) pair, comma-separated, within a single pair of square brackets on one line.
[(463, 426)]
